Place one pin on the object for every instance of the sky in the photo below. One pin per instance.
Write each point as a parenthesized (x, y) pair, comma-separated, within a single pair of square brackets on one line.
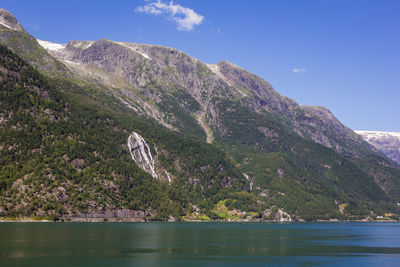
[(340, 54)]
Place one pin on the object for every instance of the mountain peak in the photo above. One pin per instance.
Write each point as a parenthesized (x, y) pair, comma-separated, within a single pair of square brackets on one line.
[(9, 21)]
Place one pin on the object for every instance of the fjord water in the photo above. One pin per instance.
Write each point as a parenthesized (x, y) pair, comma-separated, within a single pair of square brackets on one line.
[(199, 244)]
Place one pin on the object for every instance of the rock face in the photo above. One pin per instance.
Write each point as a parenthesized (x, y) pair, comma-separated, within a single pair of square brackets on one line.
[(13, 35), (141, 153), (388, 143), (9, 21), (315, 123), (275, 214), (157, 72), (261, 93)]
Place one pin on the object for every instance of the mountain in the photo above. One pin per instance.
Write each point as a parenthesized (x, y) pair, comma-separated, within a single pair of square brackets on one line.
[(386, 142), (145, 67), (209, 141), (13, 35), (64, 153)]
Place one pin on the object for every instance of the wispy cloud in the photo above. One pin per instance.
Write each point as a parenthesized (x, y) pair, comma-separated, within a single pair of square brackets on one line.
[(185, 18), (297, 70)]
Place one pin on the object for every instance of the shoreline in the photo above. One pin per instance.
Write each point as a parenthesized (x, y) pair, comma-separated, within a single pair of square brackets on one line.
[(136, 220)]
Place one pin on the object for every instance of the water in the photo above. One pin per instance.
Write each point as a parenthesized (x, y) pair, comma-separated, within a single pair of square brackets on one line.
[(199, 244)]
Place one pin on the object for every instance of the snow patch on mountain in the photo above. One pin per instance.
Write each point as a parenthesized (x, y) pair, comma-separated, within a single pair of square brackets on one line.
[(87, 46), (70, 62), (388, 143), (367, 135), (81, 44), (5, 25), (134, 49), (144, 54), (51, 46), (9, 21)]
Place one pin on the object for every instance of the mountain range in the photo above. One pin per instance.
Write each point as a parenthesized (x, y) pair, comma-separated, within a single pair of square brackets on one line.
[(388, 143), (96, 129)]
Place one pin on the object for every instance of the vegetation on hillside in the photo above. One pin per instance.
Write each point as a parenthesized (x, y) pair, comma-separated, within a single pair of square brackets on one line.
[(306, 179), (64, 152), (63, 147)]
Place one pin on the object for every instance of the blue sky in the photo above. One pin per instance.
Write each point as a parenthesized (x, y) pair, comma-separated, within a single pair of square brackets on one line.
[(343, 55)]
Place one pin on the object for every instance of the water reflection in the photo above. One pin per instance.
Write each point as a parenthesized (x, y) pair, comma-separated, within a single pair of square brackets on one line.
[(155, 244)]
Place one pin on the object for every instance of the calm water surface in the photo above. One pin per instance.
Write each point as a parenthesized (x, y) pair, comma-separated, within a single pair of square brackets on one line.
[(199, 244)]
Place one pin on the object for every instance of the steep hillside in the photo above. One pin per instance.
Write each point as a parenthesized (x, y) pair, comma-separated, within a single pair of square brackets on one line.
[(151, 78), (266, 155), (65, 154), (315, 123)]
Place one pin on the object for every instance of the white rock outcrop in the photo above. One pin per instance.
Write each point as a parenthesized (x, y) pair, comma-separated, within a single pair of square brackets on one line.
[(141, 153)]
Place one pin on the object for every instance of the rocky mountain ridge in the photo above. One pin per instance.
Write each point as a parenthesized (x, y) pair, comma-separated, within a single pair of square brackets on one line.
[(206, 81), (9, 21)]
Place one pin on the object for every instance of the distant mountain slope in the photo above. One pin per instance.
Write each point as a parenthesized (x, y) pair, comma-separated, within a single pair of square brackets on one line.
[(265, 153), (386, 142)]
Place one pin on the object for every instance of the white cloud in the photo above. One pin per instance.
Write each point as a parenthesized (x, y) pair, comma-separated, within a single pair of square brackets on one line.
[(297, 70), (185, 17)]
